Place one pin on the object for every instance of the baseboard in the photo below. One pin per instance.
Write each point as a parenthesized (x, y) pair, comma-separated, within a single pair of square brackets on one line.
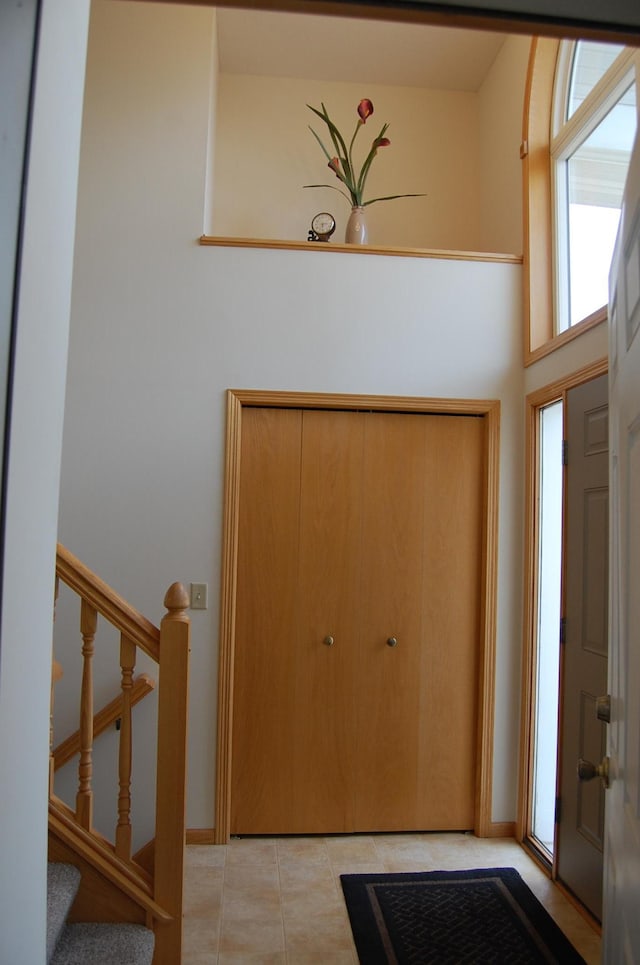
[(496, 829), (501, 829), (200, 835)]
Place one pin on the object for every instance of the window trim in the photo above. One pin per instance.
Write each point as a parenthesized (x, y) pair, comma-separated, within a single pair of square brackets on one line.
[(539, 244), (567, 136), (537, 224)]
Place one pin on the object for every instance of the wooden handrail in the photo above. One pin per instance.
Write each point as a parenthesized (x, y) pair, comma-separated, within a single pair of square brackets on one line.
[(134, 882), (110, 604), (142, 685), (159, 893)]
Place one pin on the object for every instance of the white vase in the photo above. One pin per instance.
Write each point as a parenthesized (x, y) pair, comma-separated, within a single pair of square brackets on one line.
[(356, 233)]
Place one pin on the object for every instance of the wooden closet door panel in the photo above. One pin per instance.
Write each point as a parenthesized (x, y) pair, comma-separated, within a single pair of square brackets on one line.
[(388, 680), (330, 531), (452, 569), (363, 527), (266, 616)]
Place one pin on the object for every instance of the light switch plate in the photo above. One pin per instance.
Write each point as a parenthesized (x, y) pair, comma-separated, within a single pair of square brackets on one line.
[(198, 596)]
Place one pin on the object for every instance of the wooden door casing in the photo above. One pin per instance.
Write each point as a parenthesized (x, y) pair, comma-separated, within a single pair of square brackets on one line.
[(239, 403), (358, 735)]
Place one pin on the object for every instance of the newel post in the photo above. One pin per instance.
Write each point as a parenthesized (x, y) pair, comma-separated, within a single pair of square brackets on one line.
[(173, 704)]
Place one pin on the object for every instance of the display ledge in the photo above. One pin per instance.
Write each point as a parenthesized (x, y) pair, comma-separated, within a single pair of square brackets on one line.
[(221, 242)]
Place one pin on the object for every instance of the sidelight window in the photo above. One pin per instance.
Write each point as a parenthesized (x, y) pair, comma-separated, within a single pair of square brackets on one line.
[(550, 433)]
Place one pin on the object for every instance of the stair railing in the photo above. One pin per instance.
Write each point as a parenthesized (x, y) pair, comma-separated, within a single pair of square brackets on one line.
[(158, 893), (110, 714)]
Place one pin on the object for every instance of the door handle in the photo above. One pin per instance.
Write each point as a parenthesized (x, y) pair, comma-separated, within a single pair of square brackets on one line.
[(392, 642), (587, 771), (328, 640)]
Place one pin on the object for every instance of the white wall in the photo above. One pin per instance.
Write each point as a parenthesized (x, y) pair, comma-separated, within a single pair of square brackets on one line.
[(34, 463), (162, 327)]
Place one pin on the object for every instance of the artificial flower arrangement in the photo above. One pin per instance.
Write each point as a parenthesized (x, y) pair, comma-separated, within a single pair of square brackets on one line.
[(342, 162)]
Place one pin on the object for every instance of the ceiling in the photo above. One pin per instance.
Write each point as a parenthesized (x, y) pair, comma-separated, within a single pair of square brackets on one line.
[(267, 43)]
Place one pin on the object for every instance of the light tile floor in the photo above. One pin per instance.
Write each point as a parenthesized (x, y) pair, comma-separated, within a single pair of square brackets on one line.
[(279, 900)]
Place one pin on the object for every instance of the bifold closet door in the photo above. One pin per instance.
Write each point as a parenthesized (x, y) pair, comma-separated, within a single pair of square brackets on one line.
[(266, 619), (296, 622), (421, 558), (390, 653), (357, 615), (327, 670)]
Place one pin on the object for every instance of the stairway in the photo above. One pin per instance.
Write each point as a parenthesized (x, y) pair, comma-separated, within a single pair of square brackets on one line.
[(88, 943)]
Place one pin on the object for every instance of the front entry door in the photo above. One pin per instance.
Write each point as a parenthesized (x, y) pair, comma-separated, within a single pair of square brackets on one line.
[(621, 923), (580, 835)]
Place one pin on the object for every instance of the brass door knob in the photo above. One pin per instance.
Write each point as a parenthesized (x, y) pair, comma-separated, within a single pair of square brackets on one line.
[(328, 640), (392, 642), (587, 771)]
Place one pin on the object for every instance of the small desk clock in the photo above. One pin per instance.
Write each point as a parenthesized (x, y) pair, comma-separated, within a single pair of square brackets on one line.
[(322, 227)]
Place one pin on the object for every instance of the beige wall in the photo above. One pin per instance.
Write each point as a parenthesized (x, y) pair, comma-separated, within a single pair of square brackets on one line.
[(460, 148), (501, 100), (265, 154)]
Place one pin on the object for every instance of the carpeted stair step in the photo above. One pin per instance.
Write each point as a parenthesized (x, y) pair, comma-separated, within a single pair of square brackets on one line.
[(63, 881), (88, 943), (97, 943)]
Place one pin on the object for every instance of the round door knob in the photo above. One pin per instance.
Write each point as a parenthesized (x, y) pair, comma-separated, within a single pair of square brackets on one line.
[(392, 642), (328, 640), (587, 771)]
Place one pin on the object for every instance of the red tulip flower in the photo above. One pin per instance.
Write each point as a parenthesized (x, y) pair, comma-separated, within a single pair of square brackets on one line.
[(365, 110), (341, 159)]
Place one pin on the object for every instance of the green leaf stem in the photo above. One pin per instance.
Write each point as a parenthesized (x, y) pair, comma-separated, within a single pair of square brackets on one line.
[(354, 185)]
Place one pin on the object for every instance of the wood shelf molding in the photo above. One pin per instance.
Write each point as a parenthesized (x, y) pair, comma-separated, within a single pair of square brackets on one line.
[(485, 256)]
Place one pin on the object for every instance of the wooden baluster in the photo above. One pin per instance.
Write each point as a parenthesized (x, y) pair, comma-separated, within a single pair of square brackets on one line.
[(84, 797), (173, 704), (56, 674), (123, 829)]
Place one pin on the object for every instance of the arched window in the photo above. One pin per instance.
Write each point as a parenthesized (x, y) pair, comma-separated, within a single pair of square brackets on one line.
[(594, 119), (579, 125)]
